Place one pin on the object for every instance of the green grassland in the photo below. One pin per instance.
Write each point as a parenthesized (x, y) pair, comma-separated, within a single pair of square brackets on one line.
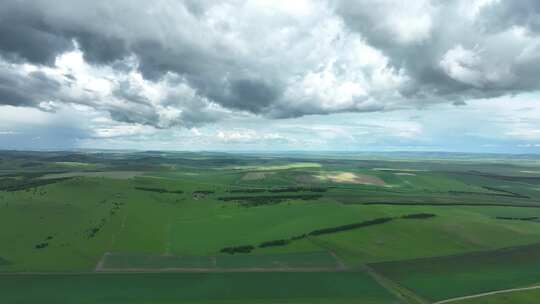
[(342, 287), (64, 212), (466, 274), (304, 260)]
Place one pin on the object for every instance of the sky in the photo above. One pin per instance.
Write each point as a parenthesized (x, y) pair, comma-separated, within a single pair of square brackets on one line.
[(271, 75)]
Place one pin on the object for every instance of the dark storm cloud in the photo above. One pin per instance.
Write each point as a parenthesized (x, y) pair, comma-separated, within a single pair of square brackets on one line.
[(500, 16), (37, 32), (144, 115), (26, 36), (274, 64), (38, 35), (447, 29), (99, 48), (249, 94), (17, 90)]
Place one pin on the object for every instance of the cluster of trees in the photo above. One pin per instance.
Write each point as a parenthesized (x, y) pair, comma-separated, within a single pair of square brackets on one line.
[(10, 184), (376, 221), (41, 245), (91, 232), (247, 190), (200, 194), (298, 189), (115, 207), (45, 243), (530, 218), (159, 190), (299, 237), (510, 193), (237, 249), (282, 242), (279, 190), (206, 192), (203, 192), (251, 201), (418, 216)]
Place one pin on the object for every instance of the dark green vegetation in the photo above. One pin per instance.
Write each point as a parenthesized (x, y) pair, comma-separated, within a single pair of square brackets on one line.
[(317, 260), (316, 232), (426, 227), (342, 287), (237, 249), (367, 223), (465, 274), (252, 201), (158, 190), (529, 218), (24, 183)]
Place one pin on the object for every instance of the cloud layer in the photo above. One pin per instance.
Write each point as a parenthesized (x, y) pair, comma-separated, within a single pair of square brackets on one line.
[(186, 63)]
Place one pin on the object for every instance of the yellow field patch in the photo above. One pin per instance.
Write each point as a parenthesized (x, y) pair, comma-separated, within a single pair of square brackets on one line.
[(355, 178)]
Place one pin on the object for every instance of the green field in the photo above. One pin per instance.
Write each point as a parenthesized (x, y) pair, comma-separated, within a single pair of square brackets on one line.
[(344, 287), (435, 227), (466, 274), (310, 260)]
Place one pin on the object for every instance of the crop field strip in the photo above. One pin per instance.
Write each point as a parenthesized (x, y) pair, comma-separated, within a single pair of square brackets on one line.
[(441, 278), (315, 287), (322, 231), (302, 262), (402, 293)]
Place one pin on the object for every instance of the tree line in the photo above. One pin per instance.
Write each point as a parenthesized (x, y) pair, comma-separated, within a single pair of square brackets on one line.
[(159, 190), (317, 232), (251, 201), (9, 184), (279, 190)]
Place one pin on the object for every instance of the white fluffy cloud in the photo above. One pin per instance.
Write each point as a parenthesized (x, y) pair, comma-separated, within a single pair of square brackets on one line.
[(125, 95), (182, 63)]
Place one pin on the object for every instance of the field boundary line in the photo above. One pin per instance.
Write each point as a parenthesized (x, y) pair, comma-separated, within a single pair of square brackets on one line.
[(340, 264), (489, 293), (101, 262), (168, 236), (106, 271), (394, 288), (217, 270)]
